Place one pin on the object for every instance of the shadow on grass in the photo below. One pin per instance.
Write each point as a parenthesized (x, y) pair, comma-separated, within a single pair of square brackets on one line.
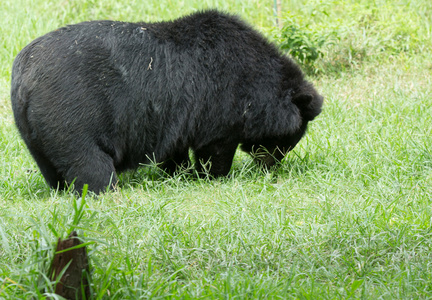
[(243, 169)]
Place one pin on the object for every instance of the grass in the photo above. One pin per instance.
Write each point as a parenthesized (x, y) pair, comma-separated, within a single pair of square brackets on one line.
[(348, 214)]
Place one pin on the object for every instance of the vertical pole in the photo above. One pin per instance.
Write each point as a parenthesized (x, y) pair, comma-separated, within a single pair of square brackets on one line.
[(277, 11)]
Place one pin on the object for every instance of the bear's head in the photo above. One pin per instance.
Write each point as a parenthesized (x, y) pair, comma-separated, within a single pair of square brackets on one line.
[(270, 150)]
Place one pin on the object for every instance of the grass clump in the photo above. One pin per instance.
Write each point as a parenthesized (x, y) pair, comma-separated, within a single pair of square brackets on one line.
[(336, 36)]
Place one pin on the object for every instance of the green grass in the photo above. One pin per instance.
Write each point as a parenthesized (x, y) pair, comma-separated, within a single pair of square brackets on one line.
[(348, 214)]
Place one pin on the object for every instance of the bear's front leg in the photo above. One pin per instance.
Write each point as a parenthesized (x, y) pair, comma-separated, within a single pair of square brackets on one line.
[(177, 162), (215, 159)]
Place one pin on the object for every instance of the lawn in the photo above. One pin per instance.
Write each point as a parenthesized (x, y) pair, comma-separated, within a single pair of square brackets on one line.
[(347, 215)]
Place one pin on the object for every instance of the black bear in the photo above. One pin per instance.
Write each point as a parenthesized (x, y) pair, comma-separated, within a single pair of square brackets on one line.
[(100, 97)]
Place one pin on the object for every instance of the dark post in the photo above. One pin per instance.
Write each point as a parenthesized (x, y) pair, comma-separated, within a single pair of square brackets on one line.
[(74, 282)]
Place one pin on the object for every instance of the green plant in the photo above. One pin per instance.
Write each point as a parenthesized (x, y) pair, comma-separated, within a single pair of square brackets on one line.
[(305, 44)]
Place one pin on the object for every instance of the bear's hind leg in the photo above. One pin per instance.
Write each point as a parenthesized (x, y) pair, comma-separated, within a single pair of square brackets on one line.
[(97, 171), (215, 158), (49, 172)]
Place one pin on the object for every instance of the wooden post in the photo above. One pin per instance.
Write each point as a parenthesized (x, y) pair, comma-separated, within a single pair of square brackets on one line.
[(278, 13), (73, 284)]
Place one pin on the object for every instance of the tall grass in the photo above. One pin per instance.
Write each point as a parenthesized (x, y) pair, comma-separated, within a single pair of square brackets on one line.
[(348, 214)]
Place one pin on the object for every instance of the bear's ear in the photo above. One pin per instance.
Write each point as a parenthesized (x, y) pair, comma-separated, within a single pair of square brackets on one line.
[(302, 100), (309, 105)]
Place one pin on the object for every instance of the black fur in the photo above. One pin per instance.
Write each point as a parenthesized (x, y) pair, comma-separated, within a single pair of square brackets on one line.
[(98, 97)]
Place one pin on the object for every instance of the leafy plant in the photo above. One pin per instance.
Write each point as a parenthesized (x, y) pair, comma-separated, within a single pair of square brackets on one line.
[(305, 44)]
